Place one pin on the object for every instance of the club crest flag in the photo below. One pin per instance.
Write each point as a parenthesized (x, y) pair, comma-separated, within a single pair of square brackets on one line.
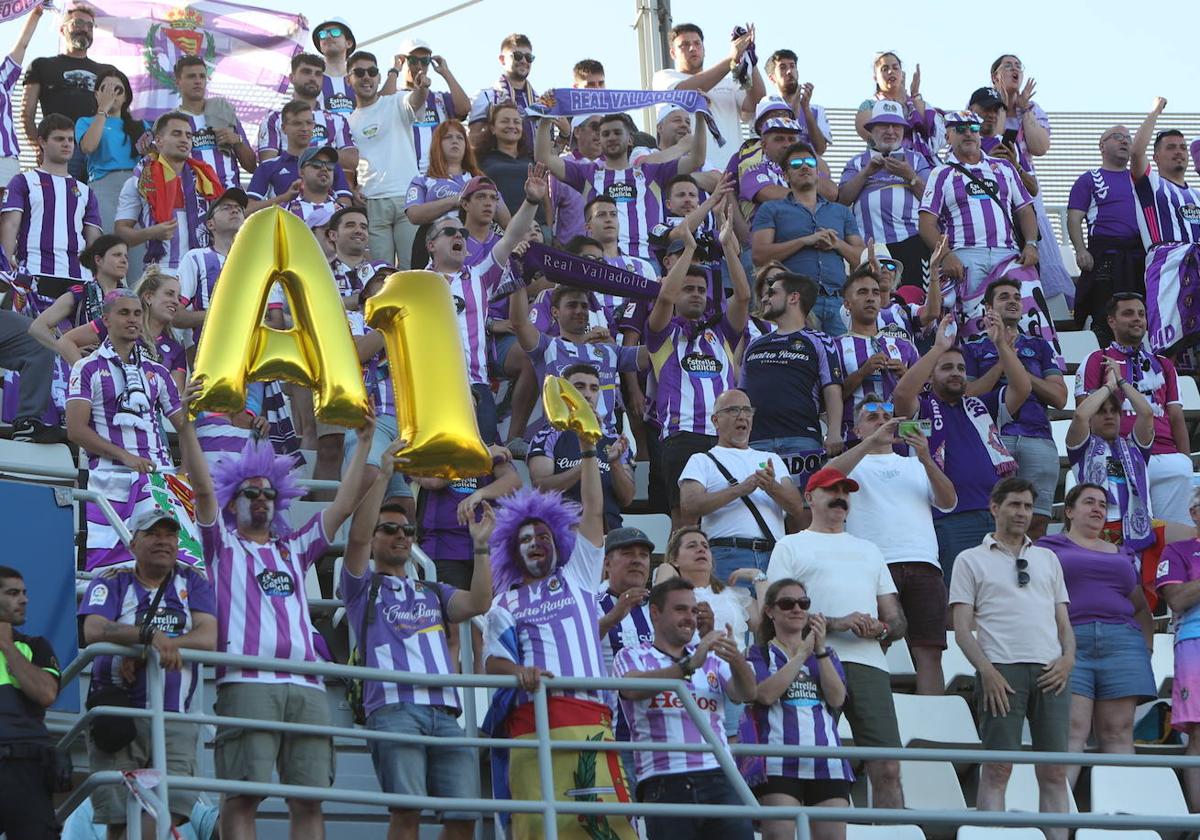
[(248, 50)]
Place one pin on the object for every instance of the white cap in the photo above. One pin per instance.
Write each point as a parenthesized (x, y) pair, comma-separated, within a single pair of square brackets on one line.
[(580, 119), (665, 109), (411, 44), (767, 105)]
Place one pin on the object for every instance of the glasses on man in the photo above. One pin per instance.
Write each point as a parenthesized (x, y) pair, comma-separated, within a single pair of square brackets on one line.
[(521, 55), (422, 60), (393, 528), (360, 72), (329, 32), (789, 604), (890, 265), (1022, 573), (322, 164), (452, 232), (1116, 136), (738, 411), (969, 128), (252, 493), (879, 406), (796, 163)]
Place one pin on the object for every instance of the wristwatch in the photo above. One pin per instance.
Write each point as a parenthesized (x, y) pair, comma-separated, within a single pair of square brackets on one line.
[(1032, 242), (685, 665), (761, 577), (393, 71)]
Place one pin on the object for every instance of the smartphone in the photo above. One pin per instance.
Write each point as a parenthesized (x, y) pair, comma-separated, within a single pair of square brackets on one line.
[(806, 631), (915, 427), (1009, 138)]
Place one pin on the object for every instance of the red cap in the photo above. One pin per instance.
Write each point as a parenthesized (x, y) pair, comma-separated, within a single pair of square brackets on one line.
[(830, 477), (479, 182)]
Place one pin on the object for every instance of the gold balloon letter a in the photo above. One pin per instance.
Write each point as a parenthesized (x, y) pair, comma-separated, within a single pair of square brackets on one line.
[(317, 352), (434, 409), (567, 410)]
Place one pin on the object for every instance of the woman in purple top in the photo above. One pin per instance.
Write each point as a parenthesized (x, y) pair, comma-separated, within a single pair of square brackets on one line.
[(1114, 631)]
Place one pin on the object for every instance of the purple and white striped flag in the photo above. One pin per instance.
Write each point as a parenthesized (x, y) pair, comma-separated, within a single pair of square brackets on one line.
[(248, 50), (13, 9)]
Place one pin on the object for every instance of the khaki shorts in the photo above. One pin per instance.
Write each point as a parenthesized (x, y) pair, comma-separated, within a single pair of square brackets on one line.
[(110, 801), (1048, 714), (869, 708), (251, 754)]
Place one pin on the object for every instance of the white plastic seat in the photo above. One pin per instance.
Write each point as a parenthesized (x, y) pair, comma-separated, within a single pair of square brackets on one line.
[(1022, 792), (899, 660), (956, 668), (1189, 396), (931, 785), (935, 720), (656, 525), (1116, 834), (884, 832), (1076, 346), (1137, 790), (1162, 660), (996, 832)]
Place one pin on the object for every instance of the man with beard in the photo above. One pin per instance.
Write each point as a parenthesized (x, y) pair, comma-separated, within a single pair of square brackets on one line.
[(849, 583), (414, 60), (964, 433), (637, 189), (1169, 470), (715, 673), (1027, 434), (63, 84), (545, 620), (280, 180), (221, 145), (257, 566), (1113, 260), (516, 60), (330, 129), (739, 494), (884, 186), (814, 124)]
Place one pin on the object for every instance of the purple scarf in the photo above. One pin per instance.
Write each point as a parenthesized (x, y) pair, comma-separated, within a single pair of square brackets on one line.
[(570, 102)]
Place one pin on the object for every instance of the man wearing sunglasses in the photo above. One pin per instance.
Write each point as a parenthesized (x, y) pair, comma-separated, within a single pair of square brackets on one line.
[(335, 42), (1113, 259), (959, 203), (404, 624), (848, 581), (810, 235), (1010, 618), (281, 180), (329, 129), (516, 62)]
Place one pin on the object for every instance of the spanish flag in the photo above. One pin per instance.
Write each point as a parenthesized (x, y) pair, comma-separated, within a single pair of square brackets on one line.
[(162, 187)]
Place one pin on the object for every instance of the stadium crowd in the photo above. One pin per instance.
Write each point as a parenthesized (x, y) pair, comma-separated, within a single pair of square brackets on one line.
[(841, 386)]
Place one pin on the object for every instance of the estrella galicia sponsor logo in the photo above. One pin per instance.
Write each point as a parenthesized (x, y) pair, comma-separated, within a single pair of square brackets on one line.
[(975, 190), (276, 584), (166, 620), (699, 364), (621, 193), (1190, 213)]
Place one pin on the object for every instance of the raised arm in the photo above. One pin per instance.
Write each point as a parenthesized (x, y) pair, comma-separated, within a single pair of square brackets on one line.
[(672, 287), (536, 188), (904, 397), (1140, 163), (349, 492), (362, 525), (543, 150), (196, 466), (591, 494), (694, 159), (738, 307), (518, 315)]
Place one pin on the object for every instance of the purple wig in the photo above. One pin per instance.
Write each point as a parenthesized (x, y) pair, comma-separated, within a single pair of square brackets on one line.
[(258, 460), (524, 506)]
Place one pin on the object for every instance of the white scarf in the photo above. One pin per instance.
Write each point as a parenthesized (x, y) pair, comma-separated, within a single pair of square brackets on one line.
[(133, 403)]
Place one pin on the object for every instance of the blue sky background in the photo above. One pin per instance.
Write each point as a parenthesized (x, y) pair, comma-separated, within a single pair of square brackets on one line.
[(1086, 56)]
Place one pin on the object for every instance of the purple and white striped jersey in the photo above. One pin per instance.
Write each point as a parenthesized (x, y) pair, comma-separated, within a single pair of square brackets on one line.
[(853, 351), (662, 718), (691, 365), (10, 73), (471, 288), (554, 355), (376, 374), (965, 212), (54, 210), (330, 130), (554, 623), (336, 96), (898, 319), (205, 148), (120, 597), (408, 634), (125, 413), (305, 209), (632, 630), (198, 273), (439, 107), (351, 278), (886, 209), (261, 606), (1167, 211), (423, 188), (799, 718), (637, 190)]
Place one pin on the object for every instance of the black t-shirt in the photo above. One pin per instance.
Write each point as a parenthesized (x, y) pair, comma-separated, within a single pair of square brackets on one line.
[(563, 449), (21, 719), (66, 85), (509, 173)]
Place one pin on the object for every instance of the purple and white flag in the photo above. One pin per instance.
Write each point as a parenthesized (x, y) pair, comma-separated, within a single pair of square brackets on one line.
[(248, 50), (13, 9)]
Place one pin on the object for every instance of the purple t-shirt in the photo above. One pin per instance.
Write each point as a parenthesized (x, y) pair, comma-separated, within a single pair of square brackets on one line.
[(1037, 357), (1106, 198), (1098, 582), (442, 538), (962, 456)]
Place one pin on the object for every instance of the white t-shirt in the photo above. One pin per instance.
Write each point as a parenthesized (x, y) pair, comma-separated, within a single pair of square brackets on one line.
[(730, 606), (843, 574), (735, 519), (383, 132), (727, 97), (892, 508)]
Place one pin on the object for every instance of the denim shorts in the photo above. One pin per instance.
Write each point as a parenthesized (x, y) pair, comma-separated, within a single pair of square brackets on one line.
[(1037, 462), (417, 770), (1111, 661), (386, 430)]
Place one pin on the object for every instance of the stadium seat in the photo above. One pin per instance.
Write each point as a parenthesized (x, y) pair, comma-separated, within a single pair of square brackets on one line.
[(656, 525), (1116, 834), (1189, 396), (996, 832), (1137, 790), (1076, 346), (1162, 662), (45, 464), (1022, 793), (1058, 431), (899, 661), (1068, 409), (926, 720), (1069, 262), (884, 832), (931, 785), (957, 670)]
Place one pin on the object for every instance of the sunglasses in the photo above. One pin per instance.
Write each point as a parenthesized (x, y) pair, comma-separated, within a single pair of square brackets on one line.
[(521, 55), (393, 528), (1022, 574), (796, 163), (890, 265), (321, 164), (360, 72), (329, 32), (453, 232), (423, 60), (970, 128), (878, 406), (789, 604), (738, 411), (252, 493), (1117, 136)]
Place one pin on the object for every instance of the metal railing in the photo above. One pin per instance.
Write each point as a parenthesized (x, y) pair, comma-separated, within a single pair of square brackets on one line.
[(548, 807)]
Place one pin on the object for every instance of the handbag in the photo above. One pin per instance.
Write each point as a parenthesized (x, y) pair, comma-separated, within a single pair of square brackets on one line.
[(758, 517), (111, 733), (994, 195)]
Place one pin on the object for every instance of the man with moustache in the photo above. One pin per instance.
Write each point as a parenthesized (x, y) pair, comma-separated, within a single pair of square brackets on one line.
[(1113, 260), (849, 583), (884, 186)]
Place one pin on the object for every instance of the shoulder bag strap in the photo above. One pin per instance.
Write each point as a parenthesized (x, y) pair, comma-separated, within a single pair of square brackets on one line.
[(758, 517)]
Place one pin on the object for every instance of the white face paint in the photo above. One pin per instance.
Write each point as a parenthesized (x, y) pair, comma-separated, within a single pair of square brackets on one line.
[(253, 513), (536, 545)]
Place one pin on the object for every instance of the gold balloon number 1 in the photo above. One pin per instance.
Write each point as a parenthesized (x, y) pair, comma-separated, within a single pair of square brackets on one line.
[(435, 411)]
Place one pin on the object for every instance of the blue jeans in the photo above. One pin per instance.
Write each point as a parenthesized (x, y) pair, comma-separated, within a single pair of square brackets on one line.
[(385, 432), (828, 310), (790, 449), (959, 531), (703, 788), (727, 559), (485, 413)]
